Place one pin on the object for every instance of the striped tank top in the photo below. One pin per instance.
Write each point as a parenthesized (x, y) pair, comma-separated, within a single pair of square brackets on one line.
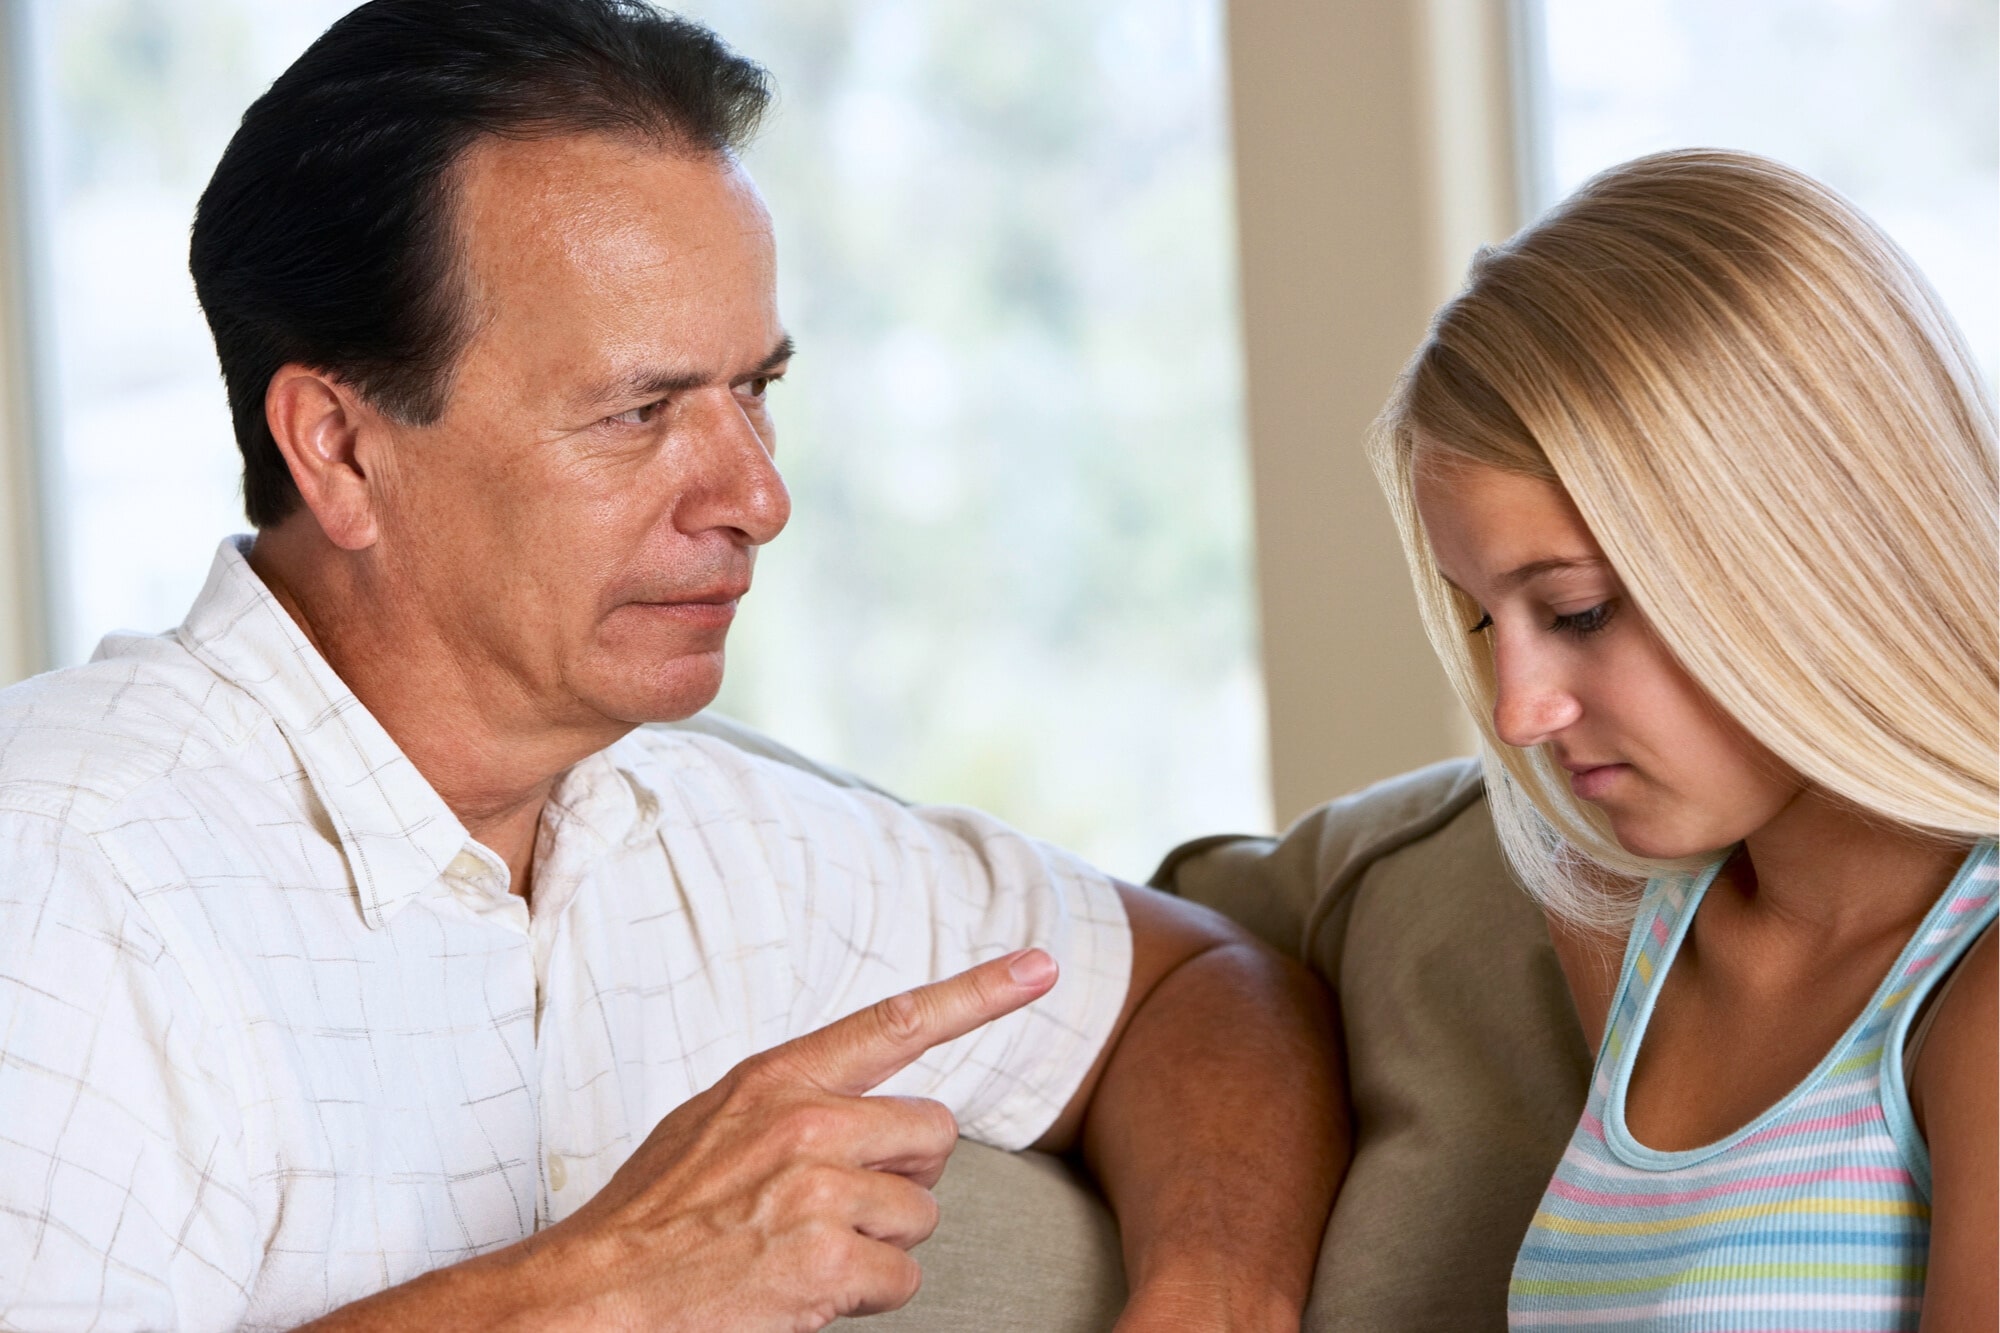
[(1814, 1216)]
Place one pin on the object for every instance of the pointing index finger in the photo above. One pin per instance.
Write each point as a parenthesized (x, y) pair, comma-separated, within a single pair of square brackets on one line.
[(850, 1056)]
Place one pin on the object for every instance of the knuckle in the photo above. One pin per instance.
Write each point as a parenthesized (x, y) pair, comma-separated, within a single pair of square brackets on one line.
[(818, 1189), (901, 1018), (910, 1280), (754, 1076), (942, 1120), (809, 1127), (829, 1257)]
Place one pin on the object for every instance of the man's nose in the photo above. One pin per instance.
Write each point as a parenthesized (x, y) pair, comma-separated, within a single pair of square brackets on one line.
[(741, 488), (1532, 702)]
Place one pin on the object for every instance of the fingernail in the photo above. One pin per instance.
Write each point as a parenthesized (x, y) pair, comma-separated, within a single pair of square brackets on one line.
[(1031, 967)]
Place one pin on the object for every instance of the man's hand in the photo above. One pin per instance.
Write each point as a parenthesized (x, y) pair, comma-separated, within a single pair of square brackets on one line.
[(782, 1198)]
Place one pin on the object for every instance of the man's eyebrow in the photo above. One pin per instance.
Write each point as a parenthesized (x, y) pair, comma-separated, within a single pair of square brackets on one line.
[(781, 353), (654, 383)]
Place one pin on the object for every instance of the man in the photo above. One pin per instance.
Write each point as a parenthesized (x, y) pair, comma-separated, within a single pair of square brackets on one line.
[(359, 959)]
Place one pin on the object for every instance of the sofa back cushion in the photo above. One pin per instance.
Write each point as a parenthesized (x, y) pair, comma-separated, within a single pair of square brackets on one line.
[(1466, 1064)]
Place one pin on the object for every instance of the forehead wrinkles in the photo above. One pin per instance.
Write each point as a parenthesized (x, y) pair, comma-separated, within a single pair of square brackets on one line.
[(590, 249), (594, 209)]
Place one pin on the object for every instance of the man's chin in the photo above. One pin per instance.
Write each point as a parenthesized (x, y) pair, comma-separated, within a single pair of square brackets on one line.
[(655, 690)]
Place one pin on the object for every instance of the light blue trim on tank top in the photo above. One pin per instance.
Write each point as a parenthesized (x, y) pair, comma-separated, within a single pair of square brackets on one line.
[(1895, 1095), (1618, 1139)]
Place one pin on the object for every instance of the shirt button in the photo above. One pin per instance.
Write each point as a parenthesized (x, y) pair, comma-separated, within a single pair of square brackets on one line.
[(558, 1172)]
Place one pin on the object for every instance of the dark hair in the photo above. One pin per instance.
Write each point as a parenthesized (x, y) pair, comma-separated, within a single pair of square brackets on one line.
[(325, 236)]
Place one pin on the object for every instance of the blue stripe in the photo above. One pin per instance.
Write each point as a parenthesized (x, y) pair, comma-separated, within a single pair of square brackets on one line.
[(1575, 1254)]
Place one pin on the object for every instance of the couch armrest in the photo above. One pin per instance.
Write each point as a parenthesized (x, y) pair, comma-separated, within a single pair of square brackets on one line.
[(1025, 1245)]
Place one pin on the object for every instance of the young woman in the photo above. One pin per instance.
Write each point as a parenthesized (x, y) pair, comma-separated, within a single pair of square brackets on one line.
[(1698, 487)]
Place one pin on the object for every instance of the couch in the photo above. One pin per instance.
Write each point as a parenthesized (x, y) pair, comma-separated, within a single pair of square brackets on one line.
[(1466, 1064)]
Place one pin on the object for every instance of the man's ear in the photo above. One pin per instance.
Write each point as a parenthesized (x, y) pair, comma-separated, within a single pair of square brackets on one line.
[(318, 423)]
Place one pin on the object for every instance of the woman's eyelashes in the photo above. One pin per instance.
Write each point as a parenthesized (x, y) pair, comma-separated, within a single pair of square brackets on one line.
[(1577, 624), (1582, 624)]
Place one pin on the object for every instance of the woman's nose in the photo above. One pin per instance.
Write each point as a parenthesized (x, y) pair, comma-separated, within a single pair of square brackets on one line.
[(1533, 702)]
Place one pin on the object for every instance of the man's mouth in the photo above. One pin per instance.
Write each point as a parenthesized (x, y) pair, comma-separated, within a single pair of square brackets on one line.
[(712, 608)]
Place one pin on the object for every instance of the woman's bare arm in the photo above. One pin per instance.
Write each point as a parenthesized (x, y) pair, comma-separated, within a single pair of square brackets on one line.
[(1955, 1093)]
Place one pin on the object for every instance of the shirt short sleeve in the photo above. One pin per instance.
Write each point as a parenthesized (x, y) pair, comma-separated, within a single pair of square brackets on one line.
[(124, 1201), (883, 897), (997, 891)]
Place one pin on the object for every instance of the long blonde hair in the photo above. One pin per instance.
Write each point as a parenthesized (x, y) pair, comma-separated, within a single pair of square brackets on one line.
[(1777, 436)]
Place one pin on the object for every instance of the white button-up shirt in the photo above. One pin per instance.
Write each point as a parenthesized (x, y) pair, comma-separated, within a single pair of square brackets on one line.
[(274, 1034)]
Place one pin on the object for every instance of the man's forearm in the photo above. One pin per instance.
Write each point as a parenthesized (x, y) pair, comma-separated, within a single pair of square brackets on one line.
[(1220, 1131)]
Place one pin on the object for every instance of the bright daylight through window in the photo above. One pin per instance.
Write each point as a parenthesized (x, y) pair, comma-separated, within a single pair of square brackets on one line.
[(1891, 102), (1017, 575), (1018, 572)]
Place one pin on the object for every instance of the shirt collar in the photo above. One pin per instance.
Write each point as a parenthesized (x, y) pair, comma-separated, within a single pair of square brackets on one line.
[(397, 833), (606, 801)]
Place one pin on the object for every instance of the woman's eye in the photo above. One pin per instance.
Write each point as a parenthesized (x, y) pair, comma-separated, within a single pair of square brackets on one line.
[(1583, 623), (1485, 623)]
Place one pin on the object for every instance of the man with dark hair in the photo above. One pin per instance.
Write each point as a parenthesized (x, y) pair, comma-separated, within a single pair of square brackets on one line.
[(362, 958)]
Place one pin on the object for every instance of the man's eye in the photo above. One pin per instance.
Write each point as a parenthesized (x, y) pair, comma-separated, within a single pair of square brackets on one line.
[(760, 385), (638, 416)]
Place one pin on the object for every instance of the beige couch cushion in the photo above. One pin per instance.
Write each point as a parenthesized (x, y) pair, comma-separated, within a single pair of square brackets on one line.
[(1024, 1246), (1466, 1062)]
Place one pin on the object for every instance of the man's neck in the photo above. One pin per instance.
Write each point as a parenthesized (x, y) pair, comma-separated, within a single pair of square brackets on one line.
[(473, 736)]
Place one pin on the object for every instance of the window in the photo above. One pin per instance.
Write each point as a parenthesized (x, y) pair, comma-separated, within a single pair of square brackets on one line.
[(1018, 572), (128, 104), (1896, 104)]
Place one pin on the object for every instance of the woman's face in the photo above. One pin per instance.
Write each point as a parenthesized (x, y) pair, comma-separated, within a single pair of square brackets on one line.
[(1581, 671)]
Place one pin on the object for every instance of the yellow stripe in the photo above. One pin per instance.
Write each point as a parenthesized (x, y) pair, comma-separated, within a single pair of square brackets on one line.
[(1907, 1273), (1853, 1063), (1865, 1207), (1645, 968)]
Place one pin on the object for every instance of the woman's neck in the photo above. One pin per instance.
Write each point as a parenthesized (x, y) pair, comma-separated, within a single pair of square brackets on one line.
[(1827, 868)]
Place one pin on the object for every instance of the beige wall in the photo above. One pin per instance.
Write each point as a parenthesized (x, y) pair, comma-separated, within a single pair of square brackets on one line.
[(1374, 152), (23, 638)]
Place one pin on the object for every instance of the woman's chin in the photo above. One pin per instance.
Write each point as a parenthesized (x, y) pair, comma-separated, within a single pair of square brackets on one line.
[(1656, 839)]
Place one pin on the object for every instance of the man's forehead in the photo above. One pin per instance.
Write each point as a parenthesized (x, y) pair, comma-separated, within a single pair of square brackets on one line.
[(597, 207), (592, 260)]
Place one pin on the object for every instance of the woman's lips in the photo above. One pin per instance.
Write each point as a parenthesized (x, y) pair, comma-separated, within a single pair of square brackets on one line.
[(1590, 783)]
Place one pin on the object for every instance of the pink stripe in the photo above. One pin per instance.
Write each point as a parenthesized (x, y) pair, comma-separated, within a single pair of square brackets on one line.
[(1920, 965), (1593, 1126), (1970, 904), (1660, 929), (1874, 1175), (1857, 1117)]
